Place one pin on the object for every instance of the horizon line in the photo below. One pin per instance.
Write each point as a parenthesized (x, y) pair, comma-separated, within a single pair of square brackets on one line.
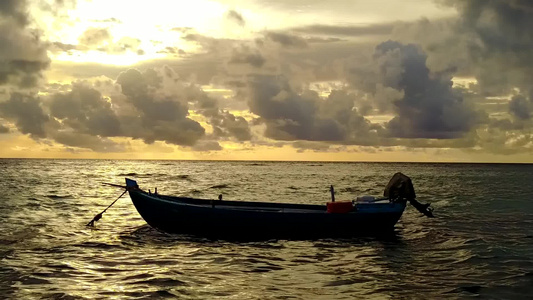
[(271, 160)]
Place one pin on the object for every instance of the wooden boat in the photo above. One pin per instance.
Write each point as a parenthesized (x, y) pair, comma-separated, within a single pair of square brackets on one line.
[(222, 218)]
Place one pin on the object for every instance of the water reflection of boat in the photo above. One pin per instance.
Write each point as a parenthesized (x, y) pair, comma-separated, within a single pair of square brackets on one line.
[(222, 218)]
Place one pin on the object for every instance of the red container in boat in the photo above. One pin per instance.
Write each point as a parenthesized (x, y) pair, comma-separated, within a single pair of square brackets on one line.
[(339, 207)]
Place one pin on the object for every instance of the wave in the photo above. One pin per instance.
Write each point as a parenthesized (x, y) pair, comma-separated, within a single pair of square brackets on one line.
[(220, 186), (472, 289), (58, 196), (127, 174), (180, 177)]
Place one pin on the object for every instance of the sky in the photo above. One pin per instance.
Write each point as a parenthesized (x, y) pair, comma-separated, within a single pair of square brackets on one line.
[(339, 80)]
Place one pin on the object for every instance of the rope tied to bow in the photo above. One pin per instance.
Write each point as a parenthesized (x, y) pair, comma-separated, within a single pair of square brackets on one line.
[(99, 216)]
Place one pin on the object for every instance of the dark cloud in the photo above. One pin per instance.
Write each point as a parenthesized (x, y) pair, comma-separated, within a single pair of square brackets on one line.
[(27, 114), (57, 7), (86, 111), (495, 41), (501, 40), (87, 141), (15, 10), (290, 114), (57, 46), (207, 42), (348, 30), (491, 139), (207, 146), (286, 39), (430, 108), (93, 37), (323, 40), (521, 107), (158, 116), (446, 45), (172, 50), (235, 17), (86, 70), (309, 145), (150, 105), (506, 124), (202, 101), (410, 79), (22, 55), (226, 124), (3, 129), (245, 55), (424, 103)]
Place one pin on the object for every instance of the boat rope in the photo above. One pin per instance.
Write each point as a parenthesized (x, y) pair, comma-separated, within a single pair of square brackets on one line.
[(99, 216)]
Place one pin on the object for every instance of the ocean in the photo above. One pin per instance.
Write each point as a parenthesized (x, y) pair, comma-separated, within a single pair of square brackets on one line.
[(480, 244)]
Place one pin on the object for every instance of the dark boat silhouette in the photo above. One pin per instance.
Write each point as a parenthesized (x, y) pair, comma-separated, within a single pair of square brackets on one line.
[(222, 218)]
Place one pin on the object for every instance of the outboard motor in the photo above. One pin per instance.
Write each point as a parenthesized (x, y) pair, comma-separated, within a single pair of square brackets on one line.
[(400, 189)]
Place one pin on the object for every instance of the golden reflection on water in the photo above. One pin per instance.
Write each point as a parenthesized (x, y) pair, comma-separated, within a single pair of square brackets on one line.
[(47, 251)]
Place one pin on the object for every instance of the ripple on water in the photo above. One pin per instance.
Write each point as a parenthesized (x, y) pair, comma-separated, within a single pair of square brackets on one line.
[(478, 245)]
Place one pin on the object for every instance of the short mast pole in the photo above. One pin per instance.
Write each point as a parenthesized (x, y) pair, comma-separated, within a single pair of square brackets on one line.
[(332, 193)]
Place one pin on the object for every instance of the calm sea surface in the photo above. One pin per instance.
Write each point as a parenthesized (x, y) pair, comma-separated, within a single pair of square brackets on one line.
[(479, 245)]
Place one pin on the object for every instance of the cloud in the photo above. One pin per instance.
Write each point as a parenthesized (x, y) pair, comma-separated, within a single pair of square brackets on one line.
[(3, 129), (245, 55), (408, 81), (162, 117), (235, 17), (521, 107), (207, 42), (22, 55), (87, 141), (109, 20), (286, 39), (122, 46), (348, 30), (323, 40), (15, 10), (424, 103), (27, 114), (226, 124), (58, 46), (309, 145), (93, 37), (100, 39), (172, 50), (291, 114), (152, 105), (500, 42), (182, 29), (207, 146), (86, 111), (430, 108)]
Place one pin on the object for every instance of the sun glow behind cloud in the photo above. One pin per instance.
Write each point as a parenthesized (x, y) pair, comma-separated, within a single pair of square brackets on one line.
[(221, 78), (152, 24)]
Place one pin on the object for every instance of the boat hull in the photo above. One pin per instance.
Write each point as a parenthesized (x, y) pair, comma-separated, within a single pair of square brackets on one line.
[(251, 220)]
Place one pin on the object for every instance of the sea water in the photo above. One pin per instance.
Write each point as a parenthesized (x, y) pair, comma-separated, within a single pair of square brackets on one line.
[(479, 245)]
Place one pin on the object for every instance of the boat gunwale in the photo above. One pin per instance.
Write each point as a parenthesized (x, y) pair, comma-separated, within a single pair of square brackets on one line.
[(274, 207)]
